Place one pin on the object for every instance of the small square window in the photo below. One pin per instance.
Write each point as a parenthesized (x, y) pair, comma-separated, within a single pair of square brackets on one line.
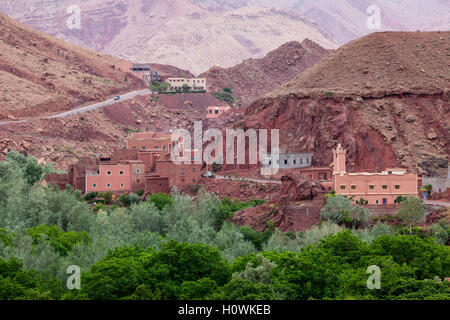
[(397, 187), (353, 187), (371, 187), (385, 186), (94, 185), (144, 148), (121, 172), (343, 187)]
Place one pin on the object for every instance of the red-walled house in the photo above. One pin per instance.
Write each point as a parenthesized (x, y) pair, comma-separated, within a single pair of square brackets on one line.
[(150, 141), (380, 188), (179, 174), (125, 176)]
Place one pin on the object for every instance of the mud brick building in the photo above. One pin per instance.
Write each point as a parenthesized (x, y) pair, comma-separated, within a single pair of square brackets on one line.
[(76, 176), (156, 184), (150, 141), (215, 112), (143, 165), (124, 176), (377, 188)]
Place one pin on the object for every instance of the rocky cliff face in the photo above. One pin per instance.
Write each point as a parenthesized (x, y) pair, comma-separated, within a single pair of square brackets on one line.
[(181, 33), (254, 78), (295, 207), (385, 97)]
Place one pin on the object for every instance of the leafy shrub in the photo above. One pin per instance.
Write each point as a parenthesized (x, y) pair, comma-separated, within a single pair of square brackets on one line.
[(125, 200), (107, 196), (90, 196), (134, 198), (225, 96), (161, 200)]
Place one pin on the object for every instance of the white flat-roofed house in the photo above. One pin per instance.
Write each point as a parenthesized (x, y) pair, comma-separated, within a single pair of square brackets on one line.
[(191, 84)]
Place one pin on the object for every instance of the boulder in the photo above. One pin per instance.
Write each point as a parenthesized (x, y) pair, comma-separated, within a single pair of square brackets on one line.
[(299, 189)]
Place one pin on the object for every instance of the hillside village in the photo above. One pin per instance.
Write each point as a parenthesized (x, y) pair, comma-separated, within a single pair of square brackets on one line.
[(343, 147), (141, 162)]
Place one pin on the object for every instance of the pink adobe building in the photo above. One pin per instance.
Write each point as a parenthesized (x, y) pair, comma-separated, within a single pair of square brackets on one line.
[(377, 188), (215, 112), (144, 165), (150, 141), (125, 176)]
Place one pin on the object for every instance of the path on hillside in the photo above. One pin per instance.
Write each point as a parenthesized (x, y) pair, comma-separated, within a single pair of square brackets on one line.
[(438, 203), (243, 179), (124, 97)]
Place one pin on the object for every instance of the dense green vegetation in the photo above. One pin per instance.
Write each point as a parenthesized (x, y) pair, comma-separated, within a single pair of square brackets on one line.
[(174, 247), (226, 95), (159, 87)]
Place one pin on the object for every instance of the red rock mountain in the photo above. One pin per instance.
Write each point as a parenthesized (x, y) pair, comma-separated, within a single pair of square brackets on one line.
[(40, 74), (384, 97), (181, 33), (254, 78)]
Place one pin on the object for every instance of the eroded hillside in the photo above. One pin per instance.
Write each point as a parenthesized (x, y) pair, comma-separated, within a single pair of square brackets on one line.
[(254, 78), (385, 97), (42, 75)]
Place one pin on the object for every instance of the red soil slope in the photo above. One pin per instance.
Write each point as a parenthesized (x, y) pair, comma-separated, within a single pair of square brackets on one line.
[(254, 78), (40, 74), (384, 97)]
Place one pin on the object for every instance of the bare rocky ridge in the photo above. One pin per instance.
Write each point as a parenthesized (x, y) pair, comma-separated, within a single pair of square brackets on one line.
[(179, 33), (384, 97), (254, 78), (43, 75), (346, 20)]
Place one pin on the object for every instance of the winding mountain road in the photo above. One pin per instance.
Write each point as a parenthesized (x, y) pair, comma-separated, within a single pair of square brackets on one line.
[(124, 97)]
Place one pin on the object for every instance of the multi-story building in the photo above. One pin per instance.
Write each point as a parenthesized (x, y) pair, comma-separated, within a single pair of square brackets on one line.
[(191, 84), (144, 165), (124, 176), (179, 174), (150, 141), (377, 188)]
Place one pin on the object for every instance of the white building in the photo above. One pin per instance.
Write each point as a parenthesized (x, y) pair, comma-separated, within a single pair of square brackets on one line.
[(194, 84), (288, 161)]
